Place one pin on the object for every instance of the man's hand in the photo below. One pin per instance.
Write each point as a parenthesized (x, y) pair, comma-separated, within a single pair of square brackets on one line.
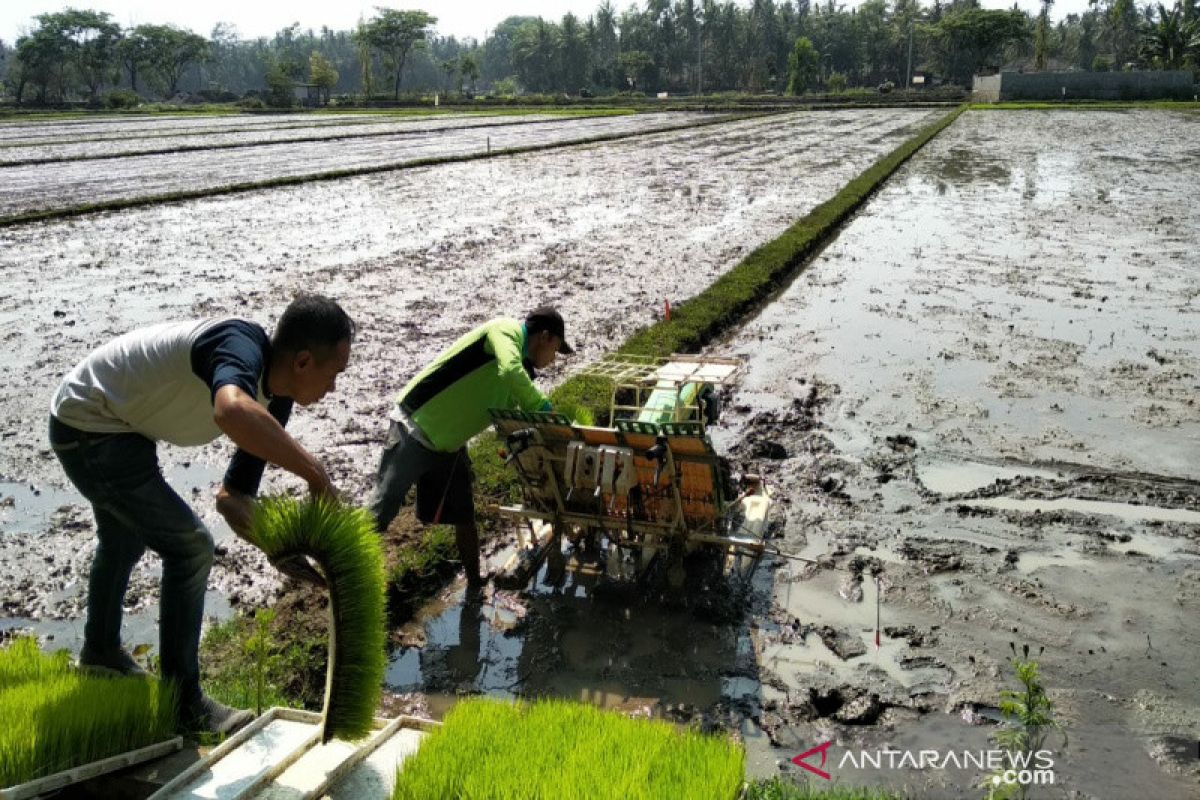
[(320, 485), (237, 509), (298, 568)]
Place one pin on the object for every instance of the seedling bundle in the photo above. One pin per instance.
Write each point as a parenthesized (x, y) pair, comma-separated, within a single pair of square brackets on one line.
[(343, 542)]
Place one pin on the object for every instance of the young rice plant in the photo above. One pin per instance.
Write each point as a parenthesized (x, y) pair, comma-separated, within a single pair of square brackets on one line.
[(343, 542), (558, 749), (56, 717)]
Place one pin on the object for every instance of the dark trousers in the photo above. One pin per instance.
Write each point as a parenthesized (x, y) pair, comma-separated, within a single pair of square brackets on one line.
[(135, 509)]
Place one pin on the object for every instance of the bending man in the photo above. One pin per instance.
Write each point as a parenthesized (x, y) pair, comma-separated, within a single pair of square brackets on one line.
[(445, 405), (186, 383)]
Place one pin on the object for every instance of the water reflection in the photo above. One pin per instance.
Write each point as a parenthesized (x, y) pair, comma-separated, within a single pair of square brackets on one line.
[(606, 644)]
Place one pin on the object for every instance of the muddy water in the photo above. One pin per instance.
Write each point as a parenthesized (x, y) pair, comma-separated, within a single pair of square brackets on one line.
[(985, 389), (887, 364), (619, 652), (418, 258)]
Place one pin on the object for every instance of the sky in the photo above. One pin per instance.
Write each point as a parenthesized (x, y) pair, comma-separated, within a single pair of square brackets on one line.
[(460, 18)]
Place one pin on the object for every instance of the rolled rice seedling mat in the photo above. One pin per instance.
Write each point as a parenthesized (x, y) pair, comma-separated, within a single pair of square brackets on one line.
[(343, 542)]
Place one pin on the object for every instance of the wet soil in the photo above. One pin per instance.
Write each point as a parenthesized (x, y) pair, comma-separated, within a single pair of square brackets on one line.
[(66, 184), (137, 141), (975, 407), (1006, 344)]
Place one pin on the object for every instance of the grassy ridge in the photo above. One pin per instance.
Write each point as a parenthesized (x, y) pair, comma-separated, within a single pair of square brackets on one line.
[(742, 289), (56, 717), (336, 174), (555, 749)]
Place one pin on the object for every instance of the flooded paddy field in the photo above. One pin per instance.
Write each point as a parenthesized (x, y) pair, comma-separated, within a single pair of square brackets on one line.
[(975, 407), (960, 473), (984, 393), (65, 184), (418, 257), (49, 130), (134, 142)]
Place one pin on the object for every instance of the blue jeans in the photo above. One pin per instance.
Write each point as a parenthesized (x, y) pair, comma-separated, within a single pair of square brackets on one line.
[(135, 509)]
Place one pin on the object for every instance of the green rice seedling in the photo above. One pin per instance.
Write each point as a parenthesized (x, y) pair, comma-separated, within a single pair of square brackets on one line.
[(577, 413), (343, 542), (556, 749), (56, 717), (22, 662), (258, 647)]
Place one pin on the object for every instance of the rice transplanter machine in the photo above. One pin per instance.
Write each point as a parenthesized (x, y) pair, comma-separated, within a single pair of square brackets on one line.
[(650, 489)]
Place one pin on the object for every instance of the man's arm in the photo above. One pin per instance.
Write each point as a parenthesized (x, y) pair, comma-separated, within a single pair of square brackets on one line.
[(253, 429), (506, 344)]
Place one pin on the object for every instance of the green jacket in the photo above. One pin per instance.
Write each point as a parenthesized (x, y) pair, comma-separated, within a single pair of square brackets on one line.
[(450, 398)]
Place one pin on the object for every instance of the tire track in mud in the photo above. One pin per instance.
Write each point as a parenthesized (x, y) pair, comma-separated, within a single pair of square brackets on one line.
[(26, 212)]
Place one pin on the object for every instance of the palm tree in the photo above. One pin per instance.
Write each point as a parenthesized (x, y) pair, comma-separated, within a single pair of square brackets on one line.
[(1165, 42), (1041, 41)]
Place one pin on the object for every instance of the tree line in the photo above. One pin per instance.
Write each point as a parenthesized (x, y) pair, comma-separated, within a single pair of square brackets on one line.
[(685, 46)]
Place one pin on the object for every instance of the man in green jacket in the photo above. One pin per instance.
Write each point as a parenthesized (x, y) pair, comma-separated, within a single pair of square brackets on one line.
[(445, 405)]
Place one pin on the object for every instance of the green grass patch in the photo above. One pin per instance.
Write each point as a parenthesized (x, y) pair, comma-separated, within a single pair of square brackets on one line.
[(337, 174), (781, 789), (342, 540), (556, 749), (55, 717), (292, 664), (422, 569)]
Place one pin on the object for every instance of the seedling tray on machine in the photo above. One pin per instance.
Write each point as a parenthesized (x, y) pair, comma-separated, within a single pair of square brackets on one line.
[(649, 486)]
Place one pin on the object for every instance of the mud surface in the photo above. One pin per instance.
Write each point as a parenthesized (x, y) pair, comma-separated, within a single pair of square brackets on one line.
[(137, 141), (31, 131), (418, 258), (976, 407), (984, 392), (65, 184)]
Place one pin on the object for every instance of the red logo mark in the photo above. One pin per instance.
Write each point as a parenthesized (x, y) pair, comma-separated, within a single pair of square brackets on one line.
[(800, 762)]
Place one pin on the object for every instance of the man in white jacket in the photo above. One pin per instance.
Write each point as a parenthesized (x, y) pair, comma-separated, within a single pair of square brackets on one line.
[(186, 383)]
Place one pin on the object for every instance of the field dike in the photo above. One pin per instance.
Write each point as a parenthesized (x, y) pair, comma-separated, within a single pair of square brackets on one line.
[(330, 175), (421, 561)]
